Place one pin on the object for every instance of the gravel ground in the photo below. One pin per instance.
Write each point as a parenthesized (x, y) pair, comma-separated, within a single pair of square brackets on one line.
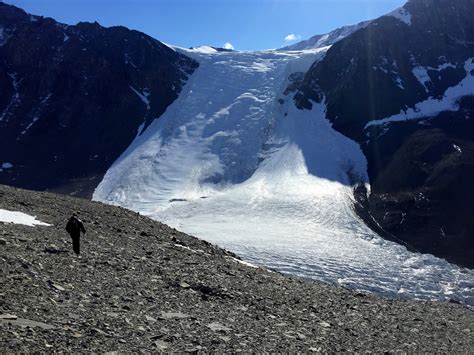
[(141, 286)]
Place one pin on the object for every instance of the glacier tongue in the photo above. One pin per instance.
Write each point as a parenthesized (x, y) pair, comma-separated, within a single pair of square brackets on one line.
[(234, 162)]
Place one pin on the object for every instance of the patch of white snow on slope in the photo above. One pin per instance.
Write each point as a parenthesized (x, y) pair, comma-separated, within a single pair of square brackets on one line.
[(19, 218), (402, 14), (431, 107), (230, 164)]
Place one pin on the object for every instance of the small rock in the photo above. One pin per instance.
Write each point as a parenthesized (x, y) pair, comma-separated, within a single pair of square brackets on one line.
[(56, 287), (184, 285), (325, 324), (217, 327), (301, 336), (161, 345), (8, 316), (171, 315), (150, 319)]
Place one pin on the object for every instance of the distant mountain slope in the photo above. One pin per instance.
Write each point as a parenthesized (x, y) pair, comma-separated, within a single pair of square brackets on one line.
[(403, 87), (74, 97), (327, 39)]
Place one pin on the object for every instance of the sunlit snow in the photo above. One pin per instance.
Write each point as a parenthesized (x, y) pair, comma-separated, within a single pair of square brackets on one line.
[(234, 162), (19, 218)]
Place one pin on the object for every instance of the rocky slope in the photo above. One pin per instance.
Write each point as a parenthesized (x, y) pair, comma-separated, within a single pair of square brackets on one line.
[(142, 286), (74, 97), (402, 87)]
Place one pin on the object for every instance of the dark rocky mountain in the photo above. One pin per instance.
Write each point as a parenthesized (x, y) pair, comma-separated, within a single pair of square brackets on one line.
[(327, 39), (141, 286), (414, 67), (74, 97)]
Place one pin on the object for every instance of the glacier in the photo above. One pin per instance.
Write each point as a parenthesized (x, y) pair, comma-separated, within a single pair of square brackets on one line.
[(234, 162)]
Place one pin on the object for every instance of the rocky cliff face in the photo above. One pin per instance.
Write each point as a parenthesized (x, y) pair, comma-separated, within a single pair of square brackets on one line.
[(74, 97), (142, 286), (403, 88)]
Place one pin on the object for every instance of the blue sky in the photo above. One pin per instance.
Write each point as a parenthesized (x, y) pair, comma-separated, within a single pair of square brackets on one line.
[(246, 24)]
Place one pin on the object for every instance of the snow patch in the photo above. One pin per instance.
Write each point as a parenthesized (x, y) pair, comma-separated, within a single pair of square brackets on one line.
[(38, 111), (244, 263), (5, 166), (402, 14), (399, 82), (127, 60), (143, 96), (20, 218), (15, 99), (431, 107), (421, 74)]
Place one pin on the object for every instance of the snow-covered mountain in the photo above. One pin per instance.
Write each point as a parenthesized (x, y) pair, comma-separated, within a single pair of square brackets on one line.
[(327, 39), (235, 162), (262, 152), (74, 98)]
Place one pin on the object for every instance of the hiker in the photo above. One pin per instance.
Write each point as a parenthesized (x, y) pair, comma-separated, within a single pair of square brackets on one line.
[(74, 227)]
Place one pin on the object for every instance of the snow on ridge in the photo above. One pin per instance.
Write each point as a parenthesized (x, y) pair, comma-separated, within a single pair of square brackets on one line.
[(20, 218), (431, 107), (203, 50), (421, 73), (5, 166), (328, 39), (401, 14), (143, 96), (37, 113), (15, 99)]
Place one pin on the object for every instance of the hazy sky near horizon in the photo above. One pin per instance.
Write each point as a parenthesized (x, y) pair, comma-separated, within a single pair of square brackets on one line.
[(245, 24)]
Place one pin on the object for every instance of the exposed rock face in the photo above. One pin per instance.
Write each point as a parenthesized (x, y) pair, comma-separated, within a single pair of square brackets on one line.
[(142, 286), (74, 97), (420, 170)]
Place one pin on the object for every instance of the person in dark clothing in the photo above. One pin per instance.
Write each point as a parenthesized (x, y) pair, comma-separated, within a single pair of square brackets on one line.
[(74, 227)]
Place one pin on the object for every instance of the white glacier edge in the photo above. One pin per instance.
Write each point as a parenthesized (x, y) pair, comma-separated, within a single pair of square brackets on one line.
[(234, 162)]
